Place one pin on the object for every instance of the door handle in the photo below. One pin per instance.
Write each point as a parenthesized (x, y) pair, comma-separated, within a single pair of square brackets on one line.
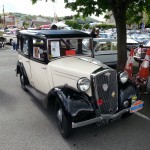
[(43, 68), (27, 60)]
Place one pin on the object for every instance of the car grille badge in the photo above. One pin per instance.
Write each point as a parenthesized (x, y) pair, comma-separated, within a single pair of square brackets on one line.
[(105, 87), (107, 74)]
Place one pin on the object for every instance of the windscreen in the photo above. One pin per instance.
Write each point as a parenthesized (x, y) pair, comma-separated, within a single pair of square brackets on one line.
[(67, 47)]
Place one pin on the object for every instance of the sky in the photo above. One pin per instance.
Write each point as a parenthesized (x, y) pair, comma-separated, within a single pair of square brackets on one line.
[(40, 8)]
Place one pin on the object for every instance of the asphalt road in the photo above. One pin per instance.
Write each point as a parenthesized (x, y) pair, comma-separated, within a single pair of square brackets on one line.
[(26, 125)]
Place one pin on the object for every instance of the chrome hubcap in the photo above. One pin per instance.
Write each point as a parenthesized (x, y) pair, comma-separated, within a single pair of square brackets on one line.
[(22, 79), (59, 115)]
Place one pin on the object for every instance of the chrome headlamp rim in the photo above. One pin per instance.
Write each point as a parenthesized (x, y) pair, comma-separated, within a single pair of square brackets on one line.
[(123, 77), (83, 84)]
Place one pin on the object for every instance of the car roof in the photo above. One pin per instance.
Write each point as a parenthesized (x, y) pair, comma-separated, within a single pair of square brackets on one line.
[(55, 33), (105, 39)]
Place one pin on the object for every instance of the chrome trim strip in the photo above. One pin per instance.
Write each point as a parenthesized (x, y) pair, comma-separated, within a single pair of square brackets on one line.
[(100, 118)]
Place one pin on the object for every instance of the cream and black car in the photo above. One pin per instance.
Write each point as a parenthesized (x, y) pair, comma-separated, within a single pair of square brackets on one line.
[(55, 67)]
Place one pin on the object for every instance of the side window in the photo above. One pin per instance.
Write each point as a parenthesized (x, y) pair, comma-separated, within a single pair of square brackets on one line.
[(54, 49), (39, 50), (23, 44)]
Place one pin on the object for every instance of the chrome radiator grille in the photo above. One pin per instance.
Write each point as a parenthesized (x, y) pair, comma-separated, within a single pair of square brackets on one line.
[(105, 87)]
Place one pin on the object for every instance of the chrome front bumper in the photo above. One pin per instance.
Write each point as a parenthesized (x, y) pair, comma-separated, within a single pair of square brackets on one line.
[(100, 118)]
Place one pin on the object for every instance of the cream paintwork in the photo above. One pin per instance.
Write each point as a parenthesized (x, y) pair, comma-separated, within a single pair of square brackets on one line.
[(26, 65), (41, 76), (69, 70), (59, 72)]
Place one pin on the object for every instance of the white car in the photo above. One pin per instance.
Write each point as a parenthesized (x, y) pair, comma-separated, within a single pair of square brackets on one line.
[(10, 35), (54, 67)]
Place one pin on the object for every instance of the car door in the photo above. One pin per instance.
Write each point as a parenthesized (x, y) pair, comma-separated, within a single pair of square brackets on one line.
[(39, 67), (24, 56)]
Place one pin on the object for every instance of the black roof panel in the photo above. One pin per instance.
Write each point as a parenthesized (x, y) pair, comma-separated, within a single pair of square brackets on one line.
[(55, 33)]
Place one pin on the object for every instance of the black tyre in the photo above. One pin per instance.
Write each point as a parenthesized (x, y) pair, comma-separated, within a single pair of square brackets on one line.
[(148, 85), (64, 124), (23, 81), (126, 115)]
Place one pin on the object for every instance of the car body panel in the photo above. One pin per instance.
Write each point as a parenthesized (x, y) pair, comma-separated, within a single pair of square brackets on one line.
[(100, 94)]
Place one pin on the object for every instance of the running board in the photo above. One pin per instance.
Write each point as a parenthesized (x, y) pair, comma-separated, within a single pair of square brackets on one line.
[(37, 94)]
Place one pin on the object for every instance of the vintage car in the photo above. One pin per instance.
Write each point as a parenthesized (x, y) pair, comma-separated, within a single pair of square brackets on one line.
[(55, 67)]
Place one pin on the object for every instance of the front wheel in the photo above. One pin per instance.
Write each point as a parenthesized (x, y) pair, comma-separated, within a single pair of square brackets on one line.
[(64, 124), (148, 85), (126, 115)]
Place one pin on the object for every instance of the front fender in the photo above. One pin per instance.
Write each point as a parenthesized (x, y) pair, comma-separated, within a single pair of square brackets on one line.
[(74, 103), (20, 68), (128, 92)]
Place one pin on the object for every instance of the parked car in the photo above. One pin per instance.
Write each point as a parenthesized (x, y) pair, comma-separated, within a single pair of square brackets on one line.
[(105, 50), (140, 52), (131, 43), (140, 37), (106, 35), (2, 42), (10, 35), (53, 66), (2, 39)]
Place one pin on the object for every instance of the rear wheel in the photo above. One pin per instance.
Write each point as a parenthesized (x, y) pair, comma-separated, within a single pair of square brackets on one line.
[(23, 81), (64, 124)]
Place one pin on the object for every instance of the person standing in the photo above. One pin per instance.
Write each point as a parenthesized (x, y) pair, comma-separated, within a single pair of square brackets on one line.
[(97, 33), (93, 34), (15, 45), (53, 27)]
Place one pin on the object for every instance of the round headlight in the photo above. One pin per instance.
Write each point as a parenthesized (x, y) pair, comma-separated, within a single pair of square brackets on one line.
[(124, 77), (83, 84)]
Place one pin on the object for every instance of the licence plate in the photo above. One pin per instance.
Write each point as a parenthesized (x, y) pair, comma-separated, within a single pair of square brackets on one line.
[(136, 106)]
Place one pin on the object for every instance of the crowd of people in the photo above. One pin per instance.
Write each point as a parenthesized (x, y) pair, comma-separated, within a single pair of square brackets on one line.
[(14, 45)]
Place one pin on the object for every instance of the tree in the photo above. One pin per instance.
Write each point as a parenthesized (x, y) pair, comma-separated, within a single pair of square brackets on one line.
[(119, 9)]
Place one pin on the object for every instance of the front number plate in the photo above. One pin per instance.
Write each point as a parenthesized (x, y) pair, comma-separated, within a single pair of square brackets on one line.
[(136, 106)]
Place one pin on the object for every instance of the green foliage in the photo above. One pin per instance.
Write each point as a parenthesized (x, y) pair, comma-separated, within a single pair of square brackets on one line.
[(105, 26), (1, 25), (68, 17), (74, 24), (89, 7), (86, 26)]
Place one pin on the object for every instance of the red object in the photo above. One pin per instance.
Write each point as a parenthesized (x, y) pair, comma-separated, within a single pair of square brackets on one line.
[(100, 102), (144, 68), (45, 26), (70, 52), (129, 64)]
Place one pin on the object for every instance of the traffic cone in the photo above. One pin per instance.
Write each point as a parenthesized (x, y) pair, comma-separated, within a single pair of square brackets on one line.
[(129, 64), (144, 68)]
